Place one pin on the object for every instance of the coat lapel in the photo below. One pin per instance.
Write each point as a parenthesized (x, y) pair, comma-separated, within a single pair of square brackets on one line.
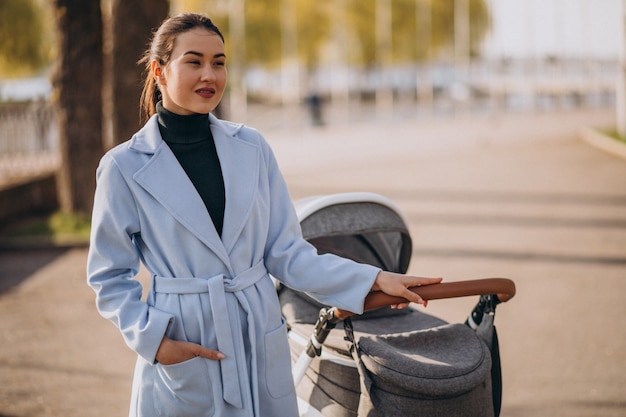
[(164, 178), (240, 167)]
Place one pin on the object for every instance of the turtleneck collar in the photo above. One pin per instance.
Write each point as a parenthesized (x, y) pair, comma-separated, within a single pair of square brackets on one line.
[(176, 128)]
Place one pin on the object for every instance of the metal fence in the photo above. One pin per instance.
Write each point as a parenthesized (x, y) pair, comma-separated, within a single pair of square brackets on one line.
[(29, 139)]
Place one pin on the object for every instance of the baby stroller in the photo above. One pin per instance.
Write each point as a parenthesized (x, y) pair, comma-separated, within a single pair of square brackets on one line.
[(388, 362)]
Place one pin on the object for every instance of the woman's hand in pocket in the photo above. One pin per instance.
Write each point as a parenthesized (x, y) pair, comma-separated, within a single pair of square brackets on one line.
[(174, 351)]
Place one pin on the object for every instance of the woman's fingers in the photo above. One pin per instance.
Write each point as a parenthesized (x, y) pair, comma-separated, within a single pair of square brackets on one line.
[(411, 296), (411, 281), (174, 351), (208, 353), (399, 284), (416, 282)]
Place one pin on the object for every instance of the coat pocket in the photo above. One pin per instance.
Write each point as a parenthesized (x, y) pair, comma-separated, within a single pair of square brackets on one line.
[(183, 389), (278, 363)]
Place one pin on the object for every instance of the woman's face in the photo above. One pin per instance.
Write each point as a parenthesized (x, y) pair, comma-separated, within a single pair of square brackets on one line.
[(194, 79)]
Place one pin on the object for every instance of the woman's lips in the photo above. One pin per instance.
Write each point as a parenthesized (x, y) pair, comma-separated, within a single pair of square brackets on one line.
[(205, 92)]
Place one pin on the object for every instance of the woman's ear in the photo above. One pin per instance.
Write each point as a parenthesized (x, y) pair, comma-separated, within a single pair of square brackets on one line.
[(157, 72)]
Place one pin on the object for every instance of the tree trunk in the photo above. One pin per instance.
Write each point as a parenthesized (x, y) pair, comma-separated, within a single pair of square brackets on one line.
[(133, 24), (79, 90)]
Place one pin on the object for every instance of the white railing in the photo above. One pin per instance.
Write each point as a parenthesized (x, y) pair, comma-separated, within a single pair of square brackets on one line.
[(29, 140)]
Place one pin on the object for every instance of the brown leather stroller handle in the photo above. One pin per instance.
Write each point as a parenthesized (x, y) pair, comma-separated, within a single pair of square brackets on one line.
[(504, 288)]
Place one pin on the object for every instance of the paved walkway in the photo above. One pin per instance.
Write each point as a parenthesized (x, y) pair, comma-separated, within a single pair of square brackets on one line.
[(518, 196)]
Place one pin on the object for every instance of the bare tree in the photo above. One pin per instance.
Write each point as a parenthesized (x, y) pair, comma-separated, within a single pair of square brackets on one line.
[(132, 24), (78, 82)]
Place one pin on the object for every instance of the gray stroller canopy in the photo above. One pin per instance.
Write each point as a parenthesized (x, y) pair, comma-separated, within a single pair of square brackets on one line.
[(364, 227)]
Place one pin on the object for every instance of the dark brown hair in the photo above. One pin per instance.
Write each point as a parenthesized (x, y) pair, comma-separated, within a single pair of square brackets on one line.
[(161, 48)]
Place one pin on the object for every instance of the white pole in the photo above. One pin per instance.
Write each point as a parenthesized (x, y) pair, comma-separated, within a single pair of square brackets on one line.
[(300, 367)]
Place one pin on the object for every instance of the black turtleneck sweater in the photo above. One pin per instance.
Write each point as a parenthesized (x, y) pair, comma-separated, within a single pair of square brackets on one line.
[(190, 139)]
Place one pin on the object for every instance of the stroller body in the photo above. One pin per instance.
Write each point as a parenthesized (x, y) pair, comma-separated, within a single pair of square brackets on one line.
[(386, 362)]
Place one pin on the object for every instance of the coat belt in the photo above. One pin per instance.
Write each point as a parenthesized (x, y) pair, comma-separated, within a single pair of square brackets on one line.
[(217, 287)]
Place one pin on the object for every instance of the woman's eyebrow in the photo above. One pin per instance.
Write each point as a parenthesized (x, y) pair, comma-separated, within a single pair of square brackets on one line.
[(200, 54)]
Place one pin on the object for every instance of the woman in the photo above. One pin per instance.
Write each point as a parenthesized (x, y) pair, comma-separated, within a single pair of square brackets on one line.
[(201, 203)]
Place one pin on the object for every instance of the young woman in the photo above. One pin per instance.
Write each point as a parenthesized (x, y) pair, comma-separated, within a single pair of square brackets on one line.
[(201, 203)]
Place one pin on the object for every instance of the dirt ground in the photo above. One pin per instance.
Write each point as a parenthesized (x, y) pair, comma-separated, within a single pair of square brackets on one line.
[(520, 196)]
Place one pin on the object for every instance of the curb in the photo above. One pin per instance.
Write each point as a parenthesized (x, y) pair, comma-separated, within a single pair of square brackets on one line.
[(604, 142)]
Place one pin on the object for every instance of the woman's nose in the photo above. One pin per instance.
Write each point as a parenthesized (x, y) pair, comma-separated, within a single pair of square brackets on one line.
[(208, 74)]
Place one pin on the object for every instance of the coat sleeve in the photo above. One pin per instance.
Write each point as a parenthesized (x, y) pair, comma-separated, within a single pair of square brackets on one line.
[(331, 279), (113, 262)]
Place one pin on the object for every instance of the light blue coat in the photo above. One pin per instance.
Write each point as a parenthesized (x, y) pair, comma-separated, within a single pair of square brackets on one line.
[(207, 290)]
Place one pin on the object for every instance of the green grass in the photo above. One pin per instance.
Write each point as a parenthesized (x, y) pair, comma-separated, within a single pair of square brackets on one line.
[(615, 135), (57, 227)]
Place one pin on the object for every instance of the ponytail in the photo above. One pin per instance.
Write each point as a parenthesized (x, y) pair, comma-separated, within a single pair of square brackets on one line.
[(150, 96)]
